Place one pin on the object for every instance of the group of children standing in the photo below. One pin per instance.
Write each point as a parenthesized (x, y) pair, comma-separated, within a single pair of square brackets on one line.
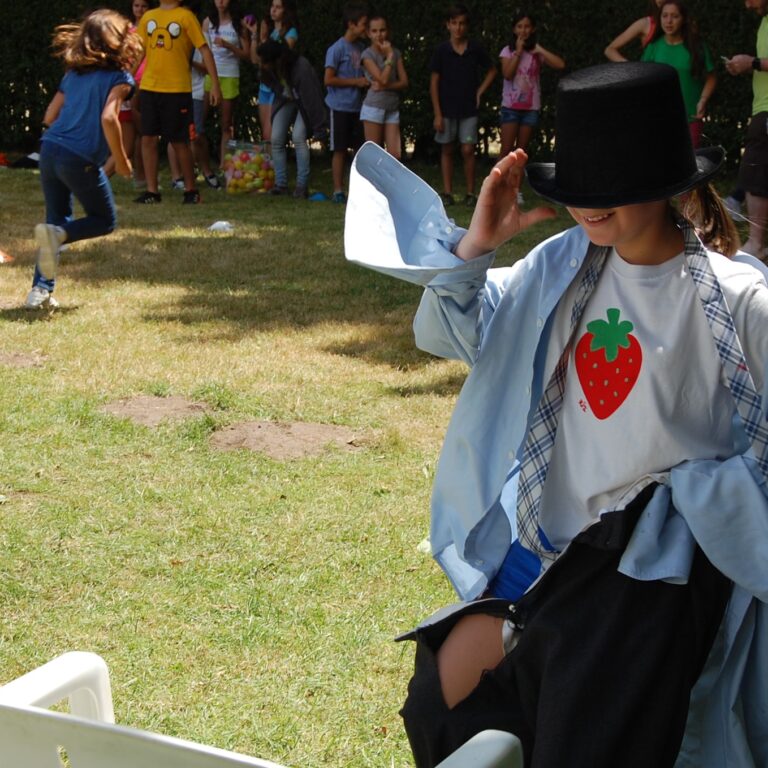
[(188, 67)]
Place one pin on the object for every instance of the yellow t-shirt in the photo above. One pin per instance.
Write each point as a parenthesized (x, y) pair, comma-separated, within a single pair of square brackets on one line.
[(169, 37)]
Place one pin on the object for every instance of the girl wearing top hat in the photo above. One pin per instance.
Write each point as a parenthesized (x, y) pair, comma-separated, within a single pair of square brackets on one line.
[(600, 501)]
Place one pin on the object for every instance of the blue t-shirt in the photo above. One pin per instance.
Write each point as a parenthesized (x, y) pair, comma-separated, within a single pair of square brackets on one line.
[(78, 126), (345, 58)]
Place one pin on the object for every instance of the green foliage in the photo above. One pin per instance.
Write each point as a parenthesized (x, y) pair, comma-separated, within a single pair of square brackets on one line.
[(579, 30)]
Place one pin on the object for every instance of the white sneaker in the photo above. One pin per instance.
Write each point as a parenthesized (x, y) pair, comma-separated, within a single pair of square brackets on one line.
[(733, 206), (49, 239), (39, 298)]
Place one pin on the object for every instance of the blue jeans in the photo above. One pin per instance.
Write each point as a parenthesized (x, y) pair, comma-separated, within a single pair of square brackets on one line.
[(281, 122), (65, 175)]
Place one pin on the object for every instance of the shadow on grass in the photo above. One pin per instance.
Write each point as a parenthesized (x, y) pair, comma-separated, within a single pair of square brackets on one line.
[(30, 316), (447, 386), (280, 271), (282, 267)]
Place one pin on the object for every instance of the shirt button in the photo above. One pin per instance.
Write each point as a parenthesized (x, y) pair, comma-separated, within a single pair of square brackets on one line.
[(527, 390), (480, 562), (574, 262), (448, 230), (540, 322)]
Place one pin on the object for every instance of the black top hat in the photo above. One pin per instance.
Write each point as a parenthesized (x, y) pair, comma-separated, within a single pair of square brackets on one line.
[(621, 137)]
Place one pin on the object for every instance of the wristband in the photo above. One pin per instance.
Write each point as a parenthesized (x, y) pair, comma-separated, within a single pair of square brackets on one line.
[(388, 63), (757, 64)]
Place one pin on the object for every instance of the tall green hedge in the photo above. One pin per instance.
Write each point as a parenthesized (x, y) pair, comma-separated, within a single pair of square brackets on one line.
[(577, 29)]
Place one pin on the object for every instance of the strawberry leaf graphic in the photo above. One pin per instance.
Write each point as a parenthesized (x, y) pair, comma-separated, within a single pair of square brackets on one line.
[(611, 335)]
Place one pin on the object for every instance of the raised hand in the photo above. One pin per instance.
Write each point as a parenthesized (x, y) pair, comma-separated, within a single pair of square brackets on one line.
[(497, 216)]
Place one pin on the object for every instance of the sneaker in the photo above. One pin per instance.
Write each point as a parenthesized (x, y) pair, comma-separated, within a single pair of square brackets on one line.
[(278, 191), (447, 199), (148, 198), (213, 181), (49, 239), (339, 197), (300, 193), (191, 197), (520, 199), (470, 200), (177, 184), (40, 298), (733, 206)]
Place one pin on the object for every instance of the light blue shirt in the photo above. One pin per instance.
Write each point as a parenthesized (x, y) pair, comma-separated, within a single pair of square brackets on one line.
[(345, 58), (498, 321)]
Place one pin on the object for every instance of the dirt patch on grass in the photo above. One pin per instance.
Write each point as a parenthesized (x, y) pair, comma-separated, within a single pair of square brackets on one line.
[(150, 410), (280, 440), (22, 359)]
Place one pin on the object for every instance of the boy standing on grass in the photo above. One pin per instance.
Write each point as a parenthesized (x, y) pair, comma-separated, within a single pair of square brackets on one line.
[(346, 81), (170, 33), (456, 89)]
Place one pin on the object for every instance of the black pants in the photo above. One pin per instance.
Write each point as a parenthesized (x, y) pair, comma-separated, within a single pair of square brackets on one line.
[(602, 674)]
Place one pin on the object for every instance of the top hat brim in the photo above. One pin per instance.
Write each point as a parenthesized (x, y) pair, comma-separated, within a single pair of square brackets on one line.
[(542, 177)]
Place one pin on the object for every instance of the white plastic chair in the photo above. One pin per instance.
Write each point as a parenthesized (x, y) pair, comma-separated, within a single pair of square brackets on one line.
[(34, 737)]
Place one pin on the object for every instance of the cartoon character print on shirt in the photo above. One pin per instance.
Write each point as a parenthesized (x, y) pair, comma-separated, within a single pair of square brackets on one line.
[(525, 83), (608, 360), (162, 37)]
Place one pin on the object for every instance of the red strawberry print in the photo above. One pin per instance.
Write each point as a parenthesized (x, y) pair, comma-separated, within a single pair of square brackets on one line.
[(608, 359)]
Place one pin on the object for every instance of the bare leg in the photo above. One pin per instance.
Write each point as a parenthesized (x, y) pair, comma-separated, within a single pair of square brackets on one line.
[(524, 136), (374, 132), (468, 157), (446, 166), (338, 163), (227, 127), (184, 157), (173, 163), (473, 646), (392, 139), (201, 154), (757, 213), (508, 138), (137, 154), (149, 152)]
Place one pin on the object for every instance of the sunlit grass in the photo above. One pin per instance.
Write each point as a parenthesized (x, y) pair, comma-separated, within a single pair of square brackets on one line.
[(241, 601)]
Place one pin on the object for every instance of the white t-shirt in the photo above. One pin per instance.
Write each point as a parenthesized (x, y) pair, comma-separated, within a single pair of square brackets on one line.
[(660, 401), (227, 64)]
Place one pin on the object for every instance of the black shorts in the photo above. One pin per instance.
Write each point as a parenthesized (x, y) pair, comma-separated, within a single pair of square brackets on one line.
[(603, 668), (346, 131), (753, 171), (169, 115)]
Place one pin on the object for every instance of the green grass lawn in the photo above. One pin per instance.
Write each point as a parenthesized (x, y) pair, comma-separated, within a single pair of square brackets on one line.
[(241, 601), (238, 600)]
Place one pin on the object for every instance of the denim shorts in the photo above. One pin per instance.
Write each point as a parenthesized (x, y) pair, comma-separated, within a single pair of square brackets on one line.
[(379, 115), (521, 116)]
